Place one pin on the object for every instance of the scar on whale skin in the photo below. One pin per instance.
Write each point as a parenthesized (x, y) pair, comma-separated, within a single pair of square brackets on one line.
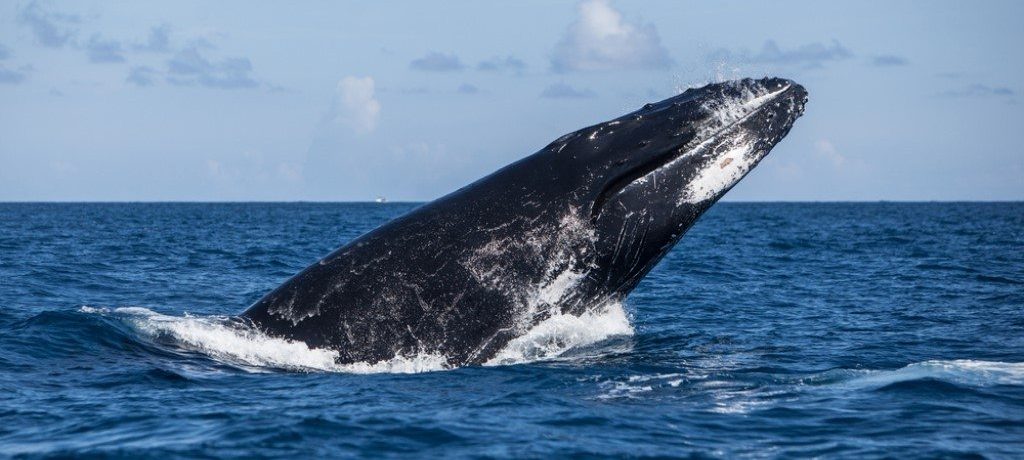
[(560, 233)]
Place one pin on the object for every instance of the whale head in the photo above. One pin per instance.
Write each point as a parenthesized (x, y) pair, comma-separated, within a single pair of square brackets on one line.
[(652, 173)]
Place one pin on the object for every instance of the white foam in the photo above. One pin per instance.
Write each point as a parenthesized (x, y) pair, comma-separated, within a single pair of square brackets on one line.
[(960, 371), (562, 332), (227, 342), (635, 386)]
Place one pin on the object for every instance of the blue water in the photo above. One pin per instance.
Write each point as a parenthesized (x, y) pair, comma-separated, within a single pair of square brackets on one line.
[(771, 330)]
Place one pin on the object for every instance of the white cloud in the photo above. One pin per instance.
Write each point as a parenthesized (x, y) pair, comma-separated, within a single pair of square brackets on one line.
[(51, 29), (14, 76), (601, 40), (141, 75), (356, 105), (290, 171), (498, 64), (468, 88), (214, 168), (63, 167), (159, 40), (437, 62), (810, 55), (100, 50), (827, 150), (420, 152), (189, 67), (253, 169), (565, 91)]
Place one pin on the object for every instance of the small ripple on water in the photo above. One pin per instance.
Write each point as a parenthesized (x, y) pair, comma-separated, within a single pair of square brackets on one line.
[(864, 330)]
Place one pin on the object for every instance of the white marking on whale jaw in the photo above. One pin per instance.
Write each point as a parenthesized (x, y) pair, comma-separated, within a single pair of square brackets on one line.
[(724, 171)]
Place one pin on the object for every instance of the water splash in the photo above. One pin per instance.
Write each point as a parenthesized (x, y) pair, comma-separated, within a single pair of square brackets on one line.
[(233, 343), (561, 332), (230, 342)]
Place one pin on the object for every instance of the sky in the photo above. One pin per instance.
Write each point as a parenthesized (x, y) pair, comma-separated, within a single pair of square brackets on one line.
[(333, 101)]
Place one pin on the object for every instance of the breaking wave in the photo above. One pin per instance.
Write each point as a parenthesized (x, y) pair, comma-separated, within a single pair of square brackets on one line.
[(726, 392), (966, 372)]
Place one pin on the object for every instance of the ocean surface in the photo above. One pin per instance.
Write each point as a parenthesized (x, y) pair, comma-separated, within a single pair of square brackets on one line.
[(771, 330)]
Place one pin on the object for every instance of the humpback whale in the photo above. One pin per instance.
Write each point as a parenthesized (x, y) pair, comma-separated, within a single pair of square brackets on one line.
[(562, 231)]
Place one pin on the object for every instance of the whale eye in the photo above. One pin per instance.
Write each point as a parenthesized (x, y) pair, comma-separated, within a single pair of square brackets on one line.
[(642, 144)]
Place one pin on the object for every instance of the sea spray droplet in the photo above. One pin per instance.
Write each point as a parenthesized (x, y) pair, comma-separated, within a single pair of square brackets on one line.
[(562, 332)]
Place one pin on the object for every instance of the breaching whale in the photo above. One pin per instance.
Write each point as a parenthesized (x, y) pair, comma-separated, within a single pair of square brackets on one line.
[(565, 230)]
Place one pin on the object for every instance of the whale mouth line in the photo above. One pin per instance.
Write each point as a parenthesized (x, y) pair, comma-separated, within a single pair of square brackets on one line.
[(666, 158), (629, 177)]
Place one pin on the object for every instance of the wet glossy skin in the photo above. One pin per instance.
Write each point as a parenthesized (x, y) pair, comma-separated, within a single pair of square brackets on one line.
[(566, 229)]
